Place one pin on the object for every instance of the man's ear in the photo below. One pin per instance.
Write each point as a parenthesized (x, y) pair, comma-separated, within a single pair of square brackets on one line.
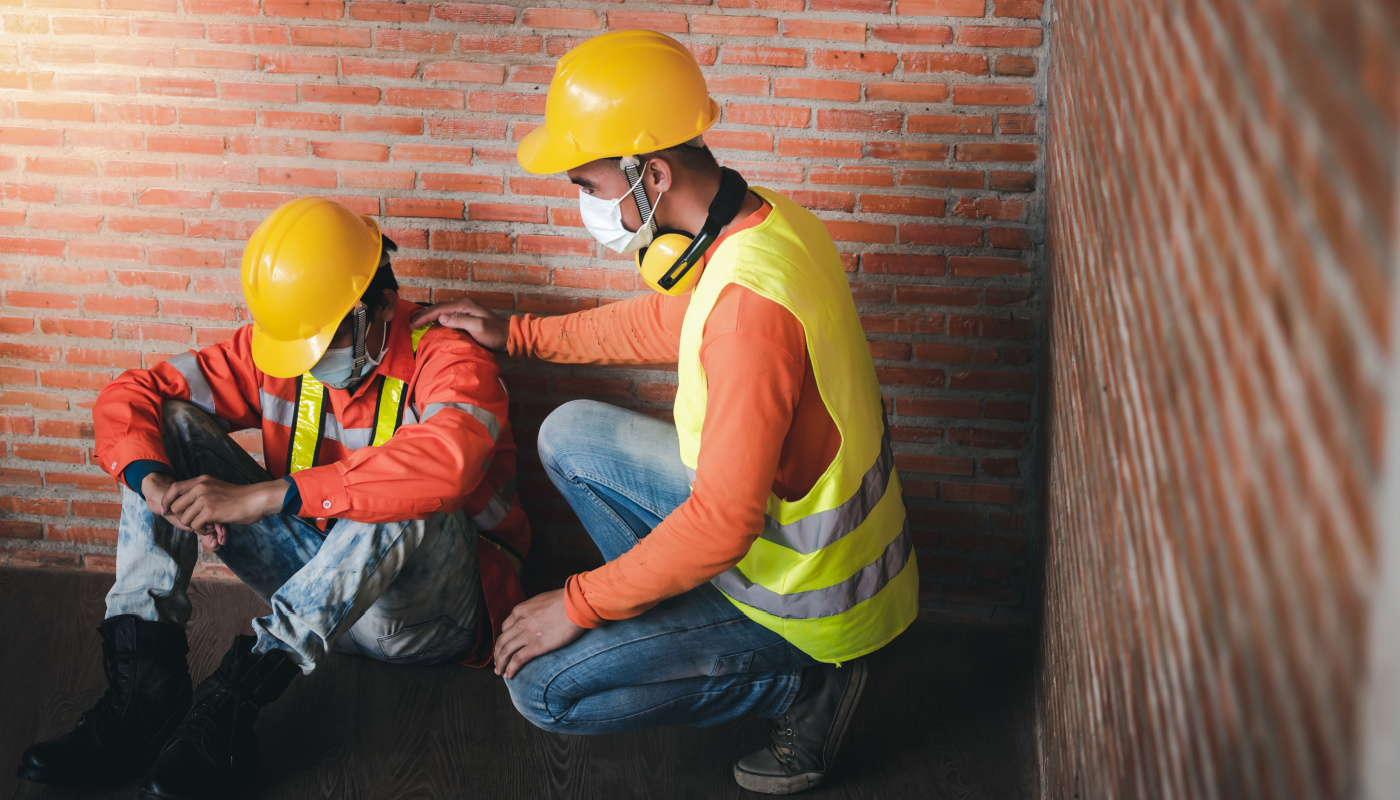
[(386, 311), (659, 174)]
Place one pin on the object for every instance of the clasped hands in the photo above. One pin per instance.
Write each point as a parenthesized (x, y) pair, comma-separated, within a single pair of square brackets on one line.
[(207, 506)]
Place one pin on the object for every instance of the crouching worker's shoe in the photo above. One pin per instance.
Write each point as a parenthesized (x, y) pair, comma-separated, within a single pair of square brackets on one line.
[(148, 691), (806, 738), (214, 752)]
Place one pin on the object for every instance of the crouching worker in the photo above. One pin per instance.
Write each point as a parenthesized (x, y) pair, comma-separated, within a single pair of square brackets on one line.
[(757, 547), (384, 524)]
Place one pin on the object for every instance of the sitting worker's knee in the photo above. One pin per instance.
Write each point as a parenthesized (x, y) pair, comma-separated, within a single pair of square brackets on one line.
[(179, 418), (570, 428)]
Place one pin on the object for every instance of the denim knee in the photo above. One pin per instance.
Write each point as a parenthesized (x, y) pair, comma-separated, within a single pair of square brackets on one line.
[(528, 691), (568, 429)]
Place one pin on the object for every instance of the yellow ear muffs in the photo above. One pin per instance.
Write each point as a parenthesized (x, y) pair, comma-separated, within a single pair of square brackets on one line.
[(657, 258)]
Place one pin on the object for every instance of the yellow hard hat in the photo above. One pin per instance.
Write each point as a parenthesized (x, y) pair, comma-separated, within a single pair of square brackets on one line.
[(619, 94), (303, 270)]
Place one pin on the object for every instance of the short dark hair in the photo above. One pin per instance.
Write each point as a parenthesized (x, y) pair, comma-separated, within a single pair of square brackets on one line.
[(691, 157), (383, 277)]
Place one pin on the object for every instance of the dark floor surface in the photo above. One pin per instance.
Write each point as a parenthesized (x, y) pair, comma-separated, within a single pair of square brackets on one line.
[(947, 714)]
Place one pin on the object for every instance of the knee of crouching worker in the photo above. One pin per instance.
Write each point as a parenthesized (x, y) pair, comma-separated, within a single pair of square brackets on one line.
[(527, 692), (566, 430), (179, 418)]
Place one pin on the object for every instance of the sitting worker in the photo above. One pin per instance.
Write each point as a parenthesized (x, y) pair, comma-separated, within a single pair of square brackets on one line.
[(758, 546), (384, 524)]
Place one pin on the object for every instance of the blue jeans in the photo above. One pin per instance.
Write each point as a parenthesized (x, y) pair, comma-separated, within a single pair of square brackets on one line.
[(694, 659), (402, 592)]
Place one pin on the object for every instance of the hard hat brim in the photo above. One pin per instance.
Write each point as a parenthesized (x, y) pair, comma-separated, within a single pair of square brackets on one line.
[(290, 358), (542, 153)]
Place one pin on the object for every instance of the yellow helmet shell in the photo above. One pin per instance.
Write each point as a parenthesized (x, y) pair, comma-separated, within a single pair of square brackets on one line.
[(659, 257), (303, 269), (619, 94)]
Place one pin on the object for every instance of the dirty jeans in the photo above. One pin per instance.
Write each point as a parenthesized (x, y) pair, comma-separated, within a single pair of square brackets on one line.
[(694, 659), (401, 592)]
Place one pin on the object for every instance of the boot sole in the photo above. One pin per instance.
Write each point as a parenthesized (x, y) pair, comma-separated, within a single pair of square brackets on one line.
[(791, 784)]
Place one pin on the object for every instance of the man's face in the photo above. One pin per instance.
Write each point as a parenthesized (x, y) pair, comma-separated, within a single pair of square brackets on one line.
[(604, 179)]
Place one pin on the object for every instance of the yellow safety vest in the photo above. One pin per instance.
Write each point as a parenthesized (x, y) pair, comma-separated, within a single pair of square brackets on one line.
[(833, 572), (311, 413)]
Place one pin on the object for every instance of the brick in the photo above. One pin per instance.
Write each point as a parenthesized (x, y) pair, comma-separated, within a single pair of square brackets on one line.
[(818, 148), (475, 12), (663, 21), (816, 89), (424, 98), (977, 36), (299, 120), (325, 93), (776, 116), (465, 72), (764, 56), (1019, 66), (1018, 9), (907, 151), (329, 36), (993, 95), (829, 119), (377, 67), (828, 30), (561, 19), (890, 204), (912, 34), (413, 40), (40, 109), (854, 60), (997, 152), (955, 124), (734, 25), (507, 212)]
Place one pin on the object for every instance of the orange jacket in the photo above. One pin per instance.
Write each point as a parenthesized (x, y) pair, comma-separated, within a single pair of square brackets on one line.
[(454, 450)]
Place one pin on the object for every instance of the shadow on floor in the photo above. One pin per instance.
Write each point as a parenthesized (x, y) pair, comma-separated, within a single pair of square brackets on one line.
[(947, 715)]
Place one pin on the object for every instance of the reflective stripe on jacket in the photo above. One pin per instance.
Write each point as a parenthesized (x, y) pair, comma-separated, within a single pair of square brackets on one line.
[(832, 572)]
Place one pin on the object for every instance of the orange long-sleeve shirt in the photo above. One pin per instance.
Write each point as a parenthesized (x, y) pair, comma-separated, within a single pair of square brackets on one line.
[(766, 431)]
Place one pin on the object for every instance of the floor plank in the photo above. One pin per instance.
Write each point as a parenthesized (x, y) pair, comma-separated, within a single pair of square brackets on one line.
[(947, 715)]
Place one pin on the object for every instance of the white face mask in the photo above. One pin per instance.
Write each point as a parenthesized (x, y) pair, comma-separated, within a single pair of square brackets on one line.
[(603, 219), (336, 368)]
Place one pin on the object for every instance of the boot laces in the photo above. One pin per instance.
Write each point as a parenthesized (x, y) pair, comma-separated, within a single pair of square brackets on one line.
[(783, 741), (108, 708), (205, 716)]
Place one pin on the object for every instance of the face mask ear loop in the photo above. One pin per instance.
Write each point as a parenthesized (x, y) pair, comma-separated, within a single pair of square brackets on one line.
[(630, 168)]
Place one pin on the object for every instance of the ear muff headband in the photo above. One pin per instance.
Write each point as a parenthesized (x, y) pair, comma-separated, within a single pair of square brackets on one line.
[(732, 190)]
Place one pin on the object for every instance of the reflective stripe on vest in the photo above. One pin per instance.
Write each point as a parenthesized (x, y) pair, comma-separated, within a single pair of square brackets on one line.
[(832, 572), (309, 424)]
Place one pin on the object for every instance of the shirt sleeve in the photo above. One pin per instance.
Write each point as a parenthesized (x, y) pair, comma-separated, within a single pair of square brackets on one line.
[(220, 379), (428, 466), (643, 330), (746, 422)]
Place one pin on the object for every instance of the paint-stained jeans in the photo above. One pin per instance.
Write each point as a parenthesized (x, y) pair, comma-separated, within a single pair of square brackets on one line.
[(695, 659), (401, 592)]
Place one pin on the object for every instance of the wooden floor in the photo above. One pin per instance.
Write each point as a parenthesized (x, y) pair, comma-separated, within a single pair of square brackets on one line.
[(947, 715)]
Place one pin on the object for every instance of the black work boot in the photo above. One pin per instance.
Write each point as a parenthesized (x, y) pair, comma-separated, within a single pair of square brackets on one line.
[(214, 752), (806, 738), (148, 692)]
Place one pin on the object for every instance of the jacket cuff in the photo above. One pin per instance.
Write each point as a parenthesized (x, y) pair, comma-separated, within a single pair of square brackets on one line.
[(322, 491), (135, 473), (121, 455), (576, 606)]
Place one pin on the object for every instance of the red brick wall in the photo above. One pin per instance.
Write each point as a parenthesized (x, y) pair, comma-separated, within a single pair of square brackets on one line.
[(1222, 224), (144, 139)]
